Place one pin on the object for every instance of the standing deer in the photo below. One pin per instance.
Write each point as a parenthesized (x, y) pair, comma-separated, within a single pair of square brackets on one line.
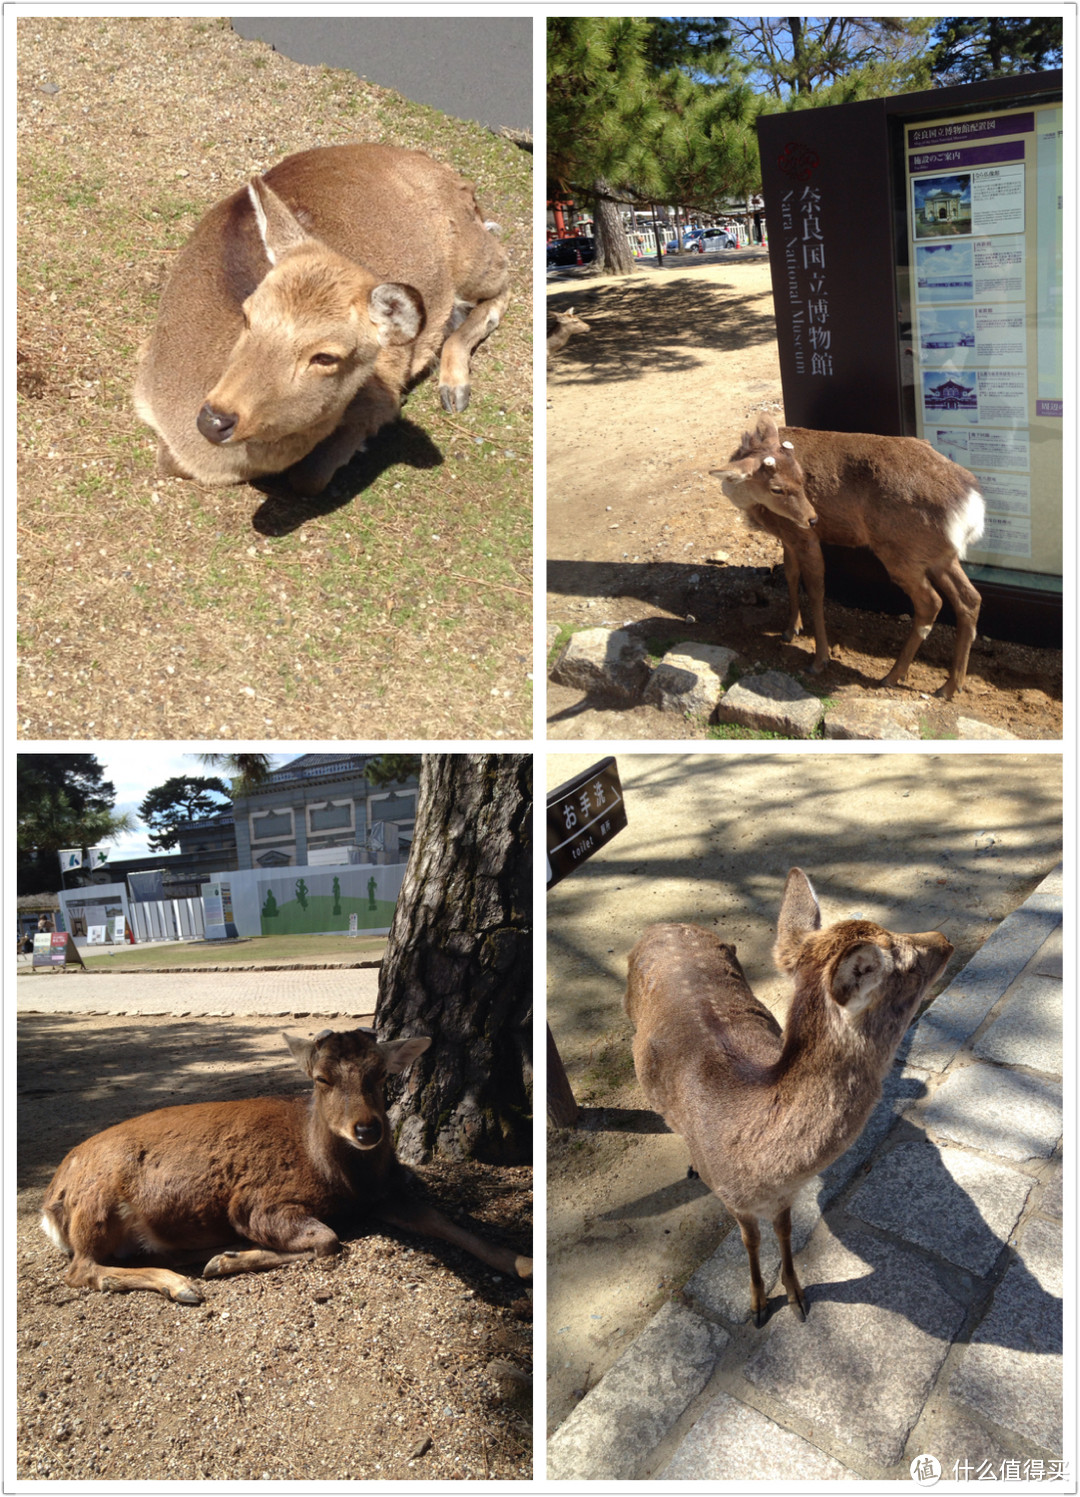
[(304, 304), (561, 328), (269, 1174), (763, 1109), (916, 510)]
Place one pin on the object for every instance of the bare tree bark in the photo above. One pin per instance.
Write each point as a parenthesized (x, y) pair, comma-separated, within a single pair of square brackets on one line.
[(458, 963), (613, 255)]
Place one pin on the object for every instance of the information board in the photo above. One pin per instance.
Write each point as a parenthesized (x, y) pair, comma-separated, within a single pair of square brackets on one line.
[(55, 949), (984, 217)]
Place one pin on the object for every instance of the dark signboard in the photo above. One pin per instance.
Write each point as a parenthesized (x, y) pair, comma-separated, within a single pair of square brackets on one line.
[(583, 815), (55, 949)]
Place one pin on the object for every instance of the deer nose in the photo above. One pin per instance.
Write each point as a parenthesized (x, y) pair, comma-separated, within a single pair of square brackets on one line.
[(216, 426), (812, 521), (367, 1135)]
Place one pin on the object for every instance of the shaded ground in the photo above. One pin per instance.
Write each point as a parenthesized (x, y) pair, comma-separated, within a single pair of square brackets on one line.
[(398, 1360), (915, 841), (676, 365), (149, 608)]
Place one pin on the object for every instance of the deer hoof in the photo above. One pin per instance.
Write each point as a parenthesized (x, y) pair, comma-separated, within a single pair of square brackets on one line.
[(523, 1267), (188, 1295), (219, 1266), (454, 398)]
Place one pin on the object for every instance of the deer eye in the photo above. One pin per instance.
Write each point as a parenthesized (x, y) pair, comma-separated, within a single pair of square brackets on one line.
[(324, 360), (321, 1081)]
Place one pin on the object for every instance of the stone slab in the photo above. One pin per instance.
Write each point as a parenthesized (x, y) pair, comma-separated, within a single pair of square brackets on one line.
[(999, 1111), (950, 1202), (955, 1014), (733, 1442), (878, 1328), (970, 727), (1050, 1203), (1012, 1371), (772, 702), (605, 660), (620, 1422), (875, 719), (690, 678), (1028, 1031)]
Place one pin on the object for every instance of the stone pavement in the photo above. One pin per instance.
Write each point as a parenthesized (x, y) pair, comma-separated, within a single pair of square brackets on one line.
[(933, 1279), (295, 992)]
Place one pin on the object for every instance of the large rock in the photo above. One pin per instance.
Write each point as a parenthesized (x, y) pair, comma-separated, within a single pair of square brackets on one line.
[(876, 718), (774, 703), (690, 678), (603, 660)]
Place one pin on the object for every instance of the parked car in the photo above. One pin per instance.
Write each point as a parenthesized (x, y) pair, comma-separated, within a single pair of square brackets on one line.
[(691, 241), (575, 249), (716, 239)]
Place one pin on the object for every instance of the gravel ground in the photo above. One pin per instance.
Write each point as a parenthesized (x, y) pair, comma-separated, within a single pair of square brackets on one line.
[(400, 1359)]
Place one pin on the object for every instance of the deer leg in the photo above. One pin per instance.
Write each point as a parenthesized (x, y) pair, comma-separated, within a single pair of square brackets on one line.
[(457, 351), (925, 606), (416, 1216), (810, 562), (282, 1234), (965, 603), (85, 1273), (788, 1276), (791, 572), (751, 1236)]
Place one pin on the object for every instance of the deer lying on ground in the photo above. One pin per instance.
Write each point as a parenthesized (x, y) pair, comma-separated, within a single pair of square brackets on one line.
[(916, 510), (561, 328), (763, 1110), (256, 1182), (304, 304)]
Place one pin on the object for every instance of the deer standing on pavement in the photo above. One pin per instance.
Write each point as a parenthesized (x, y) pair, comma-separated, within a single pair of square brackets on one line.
[(915, 509), (304, 304), (763, 1110), (257, 1182)]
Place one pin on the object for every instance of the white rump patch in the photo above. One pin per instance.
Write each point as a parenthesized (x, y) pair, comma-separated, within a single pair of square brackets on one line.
[(965, 526), (54, 1234)]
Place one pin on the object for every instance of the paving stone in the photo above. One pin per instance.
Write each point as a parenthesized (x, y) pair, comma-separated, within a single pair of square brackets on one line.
[(690, 678), (621, 1421), (998, 1111), (605, 660), (733, 1442), (1050, 1204), (876, 718), (959, 1442), (944, 1199), (955, 1014), (970, 727), (772, 702), (877, 1331), (1011, 1373), (1028, 1032), (297, 992)]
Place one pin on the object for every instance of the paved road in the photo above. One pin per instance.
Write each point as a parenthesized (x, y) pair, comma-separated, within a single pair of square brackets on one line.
[(294, 992), (934, 1276), (475, 68)]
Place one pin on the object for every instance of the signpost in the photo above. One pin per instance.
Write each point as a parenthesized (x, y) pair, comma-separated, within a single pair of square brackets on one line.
[(55, 950), (582, 817)]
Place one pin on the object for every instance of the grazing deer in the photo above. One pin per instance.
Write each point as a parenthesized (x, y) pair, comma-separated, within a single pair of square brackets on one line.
[(763, 1109), (303, 305), (269, 1174), (561, 328), (916, 510)]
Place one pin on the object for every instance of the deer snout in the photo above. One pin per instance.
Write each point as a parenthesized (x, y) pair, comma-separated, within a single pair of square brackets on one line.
[(367, 1135), (216, 426)]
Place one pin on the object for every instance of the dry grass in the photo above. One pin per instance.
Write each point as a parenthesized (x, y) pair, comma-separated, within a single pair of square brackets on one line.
[(398, 607)]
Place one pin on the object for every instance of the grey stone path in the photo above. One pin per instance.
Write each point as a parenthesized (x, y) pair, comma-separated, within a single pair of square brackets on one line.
[(295, 991), (931, 1258)]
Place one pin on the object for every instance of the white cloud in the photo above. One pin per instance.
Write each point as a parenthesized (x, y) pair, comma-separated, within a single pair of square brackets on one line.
[(135, 769)]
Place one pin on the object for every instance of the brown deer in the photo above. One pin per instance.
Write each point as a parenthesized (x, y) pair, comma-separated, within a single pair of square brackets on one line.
[(915, 509), (304, 304), (763, 1109), (561, 328), (256, 1182)]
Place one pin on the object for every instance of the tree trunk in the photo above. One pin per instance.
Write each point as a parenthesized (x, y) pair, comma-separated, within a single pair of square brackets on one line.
[(458, 963), (613, 255)]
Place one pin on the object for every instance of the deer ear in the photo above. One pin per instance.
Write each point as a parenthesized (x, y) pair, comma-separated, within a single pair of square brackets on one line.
[(857, 976), (766, 433), (278, 229), (800, 916), (302, 1050), (399, 1054), (397, 312)]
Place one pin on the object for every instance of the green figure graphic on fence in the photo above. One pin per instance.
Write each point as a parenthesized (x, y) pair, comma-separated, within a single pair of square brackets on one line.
[(301, 893), (337, 896), (371, 887)]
